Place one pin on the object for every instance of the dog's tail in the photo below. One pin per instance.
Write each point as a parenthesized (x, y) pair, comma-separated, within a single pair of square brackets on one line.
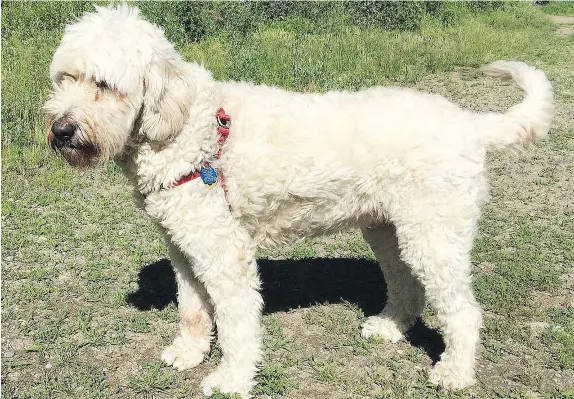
[(526, 121)]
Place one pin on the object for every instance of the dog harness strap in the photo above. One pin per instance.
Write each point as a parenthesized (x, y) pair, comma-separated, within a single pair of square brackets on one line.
[(186, 178), (207, 173)]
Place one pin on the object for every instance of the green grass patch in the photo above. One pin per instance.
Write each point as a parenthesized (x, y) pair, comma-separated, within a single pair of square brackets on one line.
[(565, 8), (344, 59), (559, 337), (273, 382), (140, 324), (151, 379), (71, 380)]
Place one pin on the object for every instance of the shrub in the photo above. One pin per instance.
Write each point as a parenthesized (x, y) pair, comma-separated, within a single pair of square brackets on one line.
[(181, 20), (403, 15)]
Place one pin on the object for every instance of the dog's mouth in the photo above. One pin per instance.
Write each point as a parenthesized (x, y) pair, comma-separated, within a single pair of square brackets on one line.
[(76, 151), (58, 144)]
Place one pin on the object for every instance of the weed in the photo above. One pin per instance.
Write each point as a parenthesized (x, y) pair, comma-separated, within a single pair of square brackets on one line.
[(559, 337), (273, 381), (151, 378), (139, 324)]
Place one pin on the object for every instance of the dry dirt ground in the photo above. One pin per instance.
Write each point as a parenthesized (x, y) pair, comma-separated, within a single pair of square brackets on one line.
[(565, 24)]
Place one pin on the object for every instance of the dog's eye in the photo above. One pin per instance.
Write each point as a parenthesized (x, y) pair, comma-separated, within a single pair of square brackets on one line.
[(102, 85), (66, 77)]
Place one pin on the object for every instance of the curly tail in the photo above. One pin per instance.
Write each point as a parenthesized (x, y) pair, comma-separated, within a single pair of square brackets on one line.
[(526, 121)]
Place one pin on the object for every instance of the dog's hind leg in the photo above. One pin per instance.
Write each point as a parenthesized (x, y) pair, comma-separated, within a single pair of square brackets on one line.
[(193, 339), (405, 294), (435, 240)]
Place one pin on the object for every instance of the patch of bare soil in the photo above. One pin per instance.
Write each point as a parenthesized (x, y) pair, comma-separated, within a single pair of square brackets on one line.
[(566, 24)]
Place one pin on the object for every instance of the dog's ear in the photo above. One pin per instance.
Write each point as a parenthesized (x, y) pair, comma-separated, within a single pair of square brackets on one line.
[(167, 97)]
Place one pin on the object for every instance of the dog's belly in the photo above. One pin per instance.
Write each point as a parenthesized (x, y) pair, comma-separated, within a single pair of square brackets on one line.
[(296, 221), (291, 214), (323, 197)]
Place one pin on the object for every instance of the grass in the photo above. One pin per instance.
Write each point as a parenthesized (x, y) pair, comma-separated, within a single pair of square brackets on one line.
[(152, 378), (87, 305), (565, 8), (345, 59), (273, 381), (559, 337)]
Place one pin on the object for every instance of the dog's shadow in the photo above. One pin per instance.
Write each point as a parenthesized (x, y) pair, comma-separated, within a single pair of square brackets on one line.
[(292, 284)]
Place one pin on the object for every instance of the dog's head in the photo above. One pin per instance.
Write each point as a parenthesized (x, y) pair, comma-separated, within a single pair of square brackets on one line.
[(114, 76)]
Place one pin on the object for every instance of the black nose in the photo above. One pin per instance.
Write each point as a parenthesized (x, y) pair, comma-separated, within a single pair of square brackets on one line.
[(63, 130)]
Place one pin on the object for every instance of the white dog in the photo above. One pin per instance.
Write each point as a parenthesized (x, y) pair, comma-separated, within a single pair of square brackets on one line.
[(224, 167)]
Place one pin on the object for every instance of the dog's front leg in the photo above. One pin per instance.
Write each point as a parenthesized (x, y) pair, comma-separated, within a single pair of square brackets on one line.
[(233, 284), (193, 339), (222, 257)]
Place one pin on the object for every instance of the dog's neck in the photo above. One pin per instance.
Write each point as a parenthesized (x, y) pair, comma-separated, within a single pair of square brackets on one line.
[(154, 165)]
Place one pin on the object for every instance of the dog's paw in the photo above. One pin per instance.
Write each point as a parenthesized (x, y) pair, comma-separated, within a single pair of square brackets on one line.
[(227, 380), (184, 354), (382, 327), (451, 376)]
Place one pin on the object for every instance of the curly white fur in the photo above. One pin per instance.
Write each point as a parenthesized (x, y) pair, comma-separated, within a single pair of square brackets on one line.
[(406, 167)]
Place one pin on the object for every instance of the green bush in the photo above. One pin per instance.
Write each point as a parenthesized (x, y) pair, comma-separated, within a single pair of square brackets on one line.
[(181, 20), (482, 6), (267, 11), (403, 15), (192, 21)]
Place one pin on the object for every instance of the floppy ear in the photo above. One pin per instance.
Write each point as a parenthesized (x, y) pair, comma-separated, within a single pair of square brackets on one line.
[(167, 97)]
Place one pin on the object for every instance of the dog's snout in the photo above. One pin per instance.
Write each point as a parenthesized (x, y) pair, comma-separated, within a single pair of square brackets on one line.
[(63, 130)]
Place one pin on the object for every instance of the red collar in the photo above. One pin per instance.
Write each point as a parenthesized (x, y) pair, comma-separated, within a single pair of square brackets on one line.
[(223, 125)]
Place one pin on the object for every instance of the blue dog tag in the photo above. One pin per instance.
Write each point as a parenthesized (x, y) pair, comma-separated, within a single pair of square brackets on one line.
[(208, 175)]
